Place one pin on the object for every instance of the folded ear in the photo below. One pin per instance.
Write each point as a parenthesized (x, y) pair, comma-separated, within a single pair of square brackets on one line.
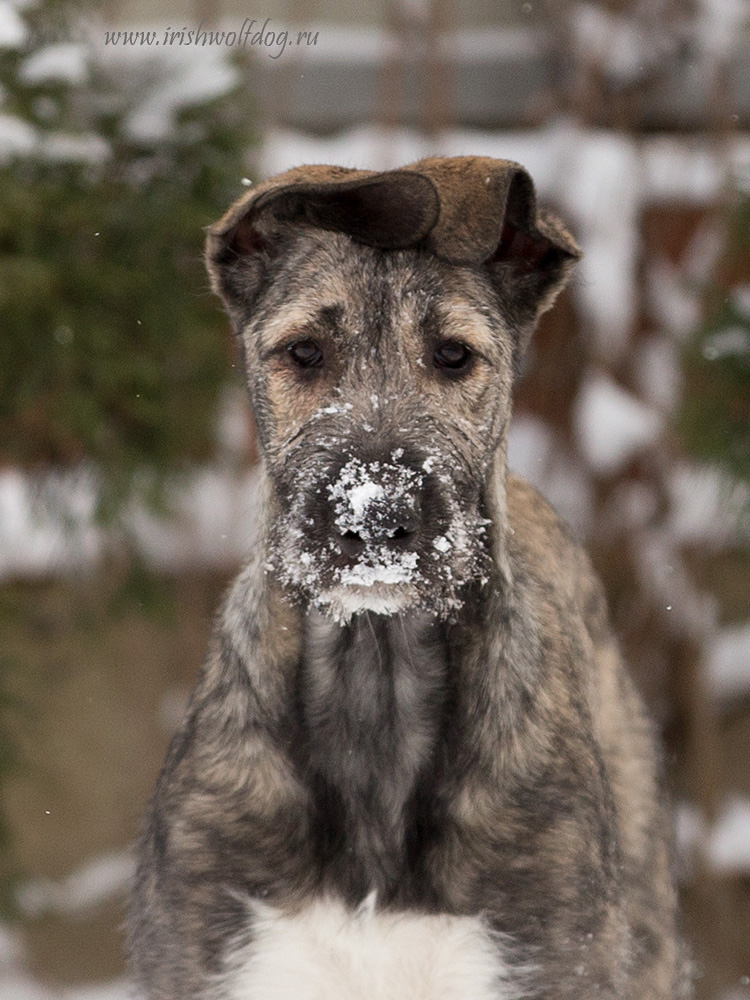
[(489, 218), (391, 210), (533, 260)]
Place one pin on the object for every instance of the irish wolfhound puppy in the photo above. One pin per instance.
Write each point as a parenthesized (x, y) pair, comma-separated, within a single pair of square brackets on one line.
[(413, 767)]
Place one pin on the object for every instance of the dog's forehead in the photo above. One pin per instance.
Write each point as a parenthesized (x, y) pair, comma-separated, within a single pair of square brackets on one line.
[(351, 290)]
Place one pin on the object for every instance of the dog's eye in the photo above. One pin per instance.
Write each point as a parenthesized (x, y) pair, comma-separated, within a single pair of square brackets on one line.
[(452, 356), (306, 353)]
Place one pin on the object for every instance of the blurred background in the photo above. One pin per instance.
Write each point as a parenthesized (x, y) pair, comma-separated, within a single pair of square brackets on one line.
[(126, 444)]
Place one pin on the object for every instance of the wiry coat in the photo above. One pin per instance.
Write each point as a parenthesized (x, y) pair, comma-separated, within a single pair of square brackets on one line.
[(435, 780)]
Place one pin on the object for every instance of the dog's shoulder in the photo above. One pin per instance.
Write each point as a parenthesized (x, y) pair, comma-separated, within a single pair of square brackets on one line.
[(556, 576), (533, 517), (544, 545)]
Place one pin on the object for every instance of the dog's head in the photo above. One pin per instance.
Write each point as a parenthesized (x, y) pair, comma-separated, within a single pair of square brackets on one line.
[(381, 318)]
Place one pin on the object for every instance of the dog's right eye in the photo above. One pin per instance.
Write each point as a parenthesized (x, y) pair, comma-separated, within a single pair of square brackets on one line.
[(453, 358), (306, 353)]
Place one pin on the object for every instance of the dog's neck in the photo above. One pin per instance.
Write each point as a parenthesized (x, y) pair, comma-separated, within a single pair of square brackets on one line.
[(372, 696)]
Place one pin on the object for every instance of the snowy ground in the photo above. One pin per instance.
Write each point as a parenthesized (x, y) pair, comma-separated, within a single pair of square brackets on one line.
[(84, 890)]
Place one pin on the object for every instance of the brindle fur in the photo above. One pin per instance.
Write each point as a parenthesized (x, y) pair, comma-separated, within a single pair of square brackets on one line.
[(482, 750)]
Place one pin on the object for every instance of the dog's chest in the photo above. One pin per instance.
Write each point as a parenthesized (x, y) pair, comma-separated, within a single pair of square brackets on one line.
[(372, 697), (372, 693), (329, 952)]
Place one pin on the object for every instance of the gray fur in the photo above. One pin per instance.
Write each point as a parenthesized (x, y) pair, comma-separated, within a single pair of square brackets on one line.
[(473, 747)]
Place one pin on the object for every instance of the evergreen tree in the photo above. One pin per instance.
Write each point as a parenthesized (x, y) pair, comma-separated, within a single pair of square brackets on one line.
[(112, 349), (715, 414)]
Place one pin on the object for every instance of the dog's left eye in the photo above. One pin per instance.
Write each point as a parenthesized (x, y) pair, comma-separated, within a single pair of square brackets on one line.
[(306, 353), (453, 356)]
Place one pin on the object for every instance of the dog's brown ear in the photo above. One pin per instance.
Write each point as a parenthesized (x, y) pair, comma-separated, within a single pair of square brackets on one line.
[(489, 218), (534, 257), (391, 211)]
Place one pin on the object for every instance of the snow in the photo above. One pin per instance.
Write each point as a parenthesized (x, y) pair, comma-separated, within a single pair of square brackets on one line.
[(12, 29), (214, 521), (675, 306), (61, 147), (386, 567), (181, 80), (728, 668), (721, 23), (360, 488), (17, 137), (704, 508), (536, 453), (100, 879), (690, 834), (35, 540), (66, 62), (48, 526), (723, 846), (159, 83), (616, 42), (740, 297), (685, 169), (729, 842), (361, 496), (689, 169), (604, 207), (658, 373), (362, 493), (612, 426), (730, 341), (20, 986), (16, 983)]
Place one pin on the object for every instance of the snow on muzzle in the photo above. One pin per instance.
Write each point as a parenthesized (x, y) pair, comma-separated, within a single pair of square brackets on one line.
[(376, 511), (385, 533)]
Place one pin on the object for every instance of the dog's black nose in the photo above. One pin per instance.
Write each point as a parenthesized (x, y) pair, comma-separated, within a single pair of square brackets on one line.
[(375, 505), (352, 543)]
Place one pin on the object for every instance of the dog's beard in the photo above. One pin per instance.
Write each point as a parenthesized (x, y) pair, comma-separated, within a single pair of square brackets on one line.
[(452, 549)]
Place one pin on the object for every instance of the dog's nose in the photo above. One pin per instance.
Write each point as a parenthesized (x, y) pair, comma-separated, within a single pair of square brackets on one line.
[(388, 533), (350, 542), (375, 504)]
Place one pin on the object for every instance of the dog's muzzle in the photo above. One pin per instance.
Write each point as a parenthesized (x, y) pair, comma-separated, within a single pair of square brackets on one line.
[(379, 532)]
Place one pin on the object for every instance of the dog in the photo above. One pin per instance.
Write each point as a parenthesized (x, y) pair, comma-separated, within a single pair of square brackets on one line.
[(413, 765)]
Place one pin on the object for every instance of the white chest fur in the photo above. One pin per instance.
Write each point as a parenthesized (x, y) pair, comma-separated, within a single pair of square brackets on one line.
[(328, 952)]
